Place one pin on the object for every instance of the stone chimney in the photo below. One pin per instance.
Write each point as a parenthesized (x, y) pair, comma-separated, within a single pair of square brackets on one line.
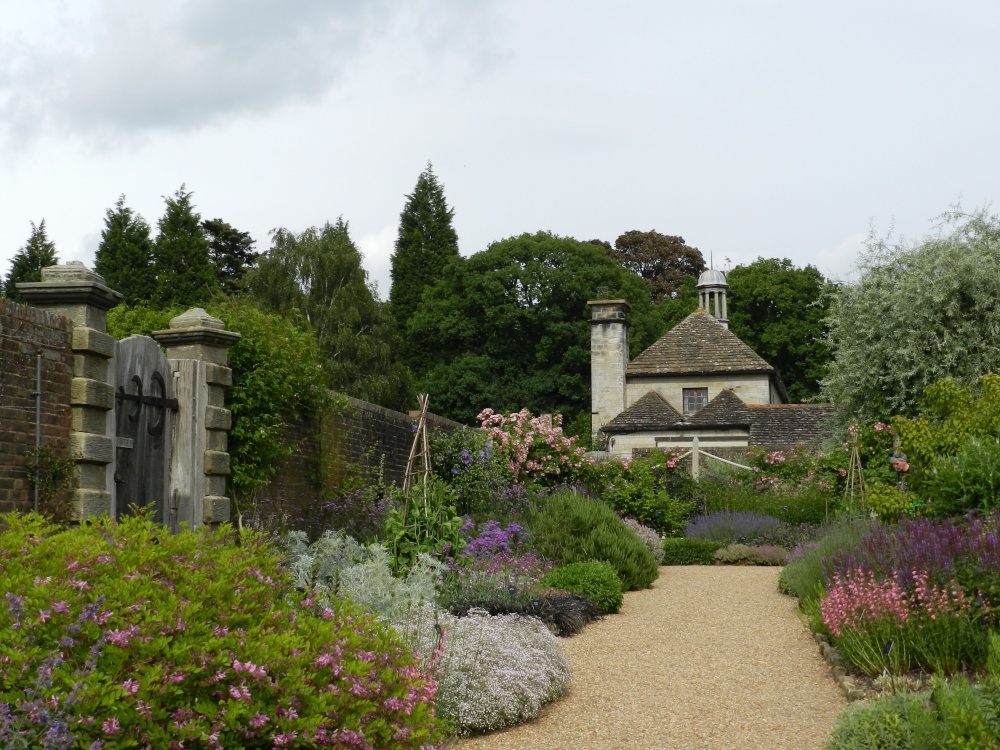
[(608, 359)]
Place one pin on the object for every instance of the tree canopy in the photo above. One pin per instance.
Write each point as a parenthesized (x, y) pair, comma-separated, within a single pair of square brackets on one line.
[(125, 255), (664, 261), (919, 313), (231, 251), (424, 246), (27, 264), (779, 311), (508, 327), (319, 274), (184, 271)]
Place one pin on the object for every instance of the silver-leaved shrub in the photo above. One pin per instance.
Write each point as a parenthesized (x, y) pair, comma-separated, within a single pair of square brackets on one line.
[(649, 537)]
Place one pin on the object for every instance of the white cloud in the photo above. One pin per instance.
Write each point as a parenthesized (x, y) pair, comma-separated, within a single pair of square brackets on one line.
[(377, 249)]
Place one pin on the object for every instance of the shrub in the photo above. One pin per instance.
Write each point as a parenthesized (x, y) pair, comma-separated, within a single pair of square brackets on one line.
[(741, 554), (648, 537), (889, 502), (567, 527), (422, 524), (689, 551), (470, 463), (130, 632), (967, 481), (901, 722), (809, 565), (593, 579), (498, 671), (536, 447), (729, 526), (789, 503)]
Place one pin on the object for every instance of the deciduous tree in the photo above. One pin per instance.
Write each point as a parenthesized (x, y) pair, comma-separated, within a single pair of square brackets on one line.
[(919, 313), (508, 327), (779, 311), (664, 261), (28, 262), (319, 274), (426, 242), (125, 255)]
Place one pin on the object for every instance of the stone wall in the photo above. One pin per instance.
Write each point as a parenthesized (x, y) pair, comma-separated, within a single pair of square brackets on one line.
[(23, 331), (360, 435)]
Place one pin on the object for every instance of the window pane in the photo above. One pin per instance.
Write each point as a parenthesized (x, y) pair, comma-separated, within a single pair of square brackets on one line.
[(695, 399)]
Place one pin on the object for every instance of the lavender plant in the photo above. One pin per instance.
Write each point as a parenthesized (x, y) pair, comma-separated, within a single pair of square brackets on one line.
[(647, 536), (729, 526)]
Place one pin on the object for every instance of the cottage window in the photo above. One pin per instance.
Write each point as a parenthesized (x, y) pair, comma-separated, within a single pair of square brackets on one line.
[(695, 399)]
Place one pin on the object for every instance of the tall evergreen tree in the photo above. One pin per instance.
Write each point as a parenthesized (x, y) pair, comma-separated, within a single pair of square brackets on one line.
[(28, 262), (125, 255), (184, 271), (319, 274), (231, 252), (426, 242)]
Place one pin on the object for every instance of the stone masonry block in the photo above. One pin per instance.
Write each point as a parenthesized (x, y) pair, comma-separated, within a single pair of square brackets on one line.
[(216, 396), (217, 418), (89, 419), (215, 509), (217, 463), (218, 375), (87, 392), (217, 440), (89, 503), (91, 449), (92, 341), (91, 366), (91, 476), (215, 486)]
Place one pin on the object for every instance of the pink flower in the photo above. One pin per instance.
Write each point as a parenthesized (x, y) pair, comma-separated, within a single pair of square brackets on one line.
[(130, 686), (111, 727)]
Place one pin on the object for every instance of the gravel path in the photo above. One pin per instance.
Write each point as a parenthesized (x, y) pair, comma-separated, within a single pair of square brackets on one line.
[(710, 657)]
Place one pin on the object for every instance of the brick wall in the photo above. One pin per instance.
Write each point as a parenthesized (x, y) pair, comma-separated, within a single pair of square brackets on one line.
[(23, 331), (361, 434)]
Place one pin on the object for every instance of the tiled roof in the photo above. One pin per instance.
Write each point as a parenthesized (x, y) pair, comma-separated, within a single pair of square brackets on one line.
[(651, 412), (698, 344), (725, 409), (785, 425)]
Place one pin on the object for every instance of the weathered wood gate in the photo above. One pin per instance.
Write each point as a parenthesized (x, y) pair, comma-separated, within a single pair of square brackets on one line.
[(144, 420)]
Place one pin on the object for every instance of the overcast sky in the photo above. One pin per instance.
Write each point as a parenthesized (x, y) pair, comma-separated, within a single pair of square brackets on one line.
[(776, 128)]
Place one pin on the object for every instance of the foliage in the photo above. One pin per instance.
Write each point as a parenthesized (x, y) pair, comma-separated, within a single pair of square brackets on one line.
[(509, 326), (27, 264), (536, 447), (498, 670), (919, 313), (647, 536), (900, 722), (794, 504), (594, 579), (318, 273), (567, 527), (663, 261), (125, 255), (423, 523), (231, 252), (778, 310), (731, 526), (145, 638), (426, 242), (741, 554), (184, 272), (277, 376), (888, 502), (931, 626), (51, 473), (682, 551), (808, 567), (968, 481), (651, 489), (479, 474)]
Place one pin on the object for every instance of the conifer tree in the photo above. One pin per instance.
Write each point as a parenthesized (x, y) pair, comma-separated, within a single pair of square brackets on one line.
[(319, 274), (231, 252), (184, 271), (125, 255), (28, 262), (426, 243)]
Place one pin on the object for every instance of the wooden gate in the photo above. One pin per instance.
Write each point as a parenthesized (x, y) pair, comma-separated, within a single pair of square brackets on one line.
[(144, 420)]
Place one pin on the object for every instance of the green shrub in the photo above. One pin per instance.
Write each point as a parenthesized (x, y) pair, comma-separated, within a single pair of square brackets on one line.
[(428, 525), (595, 580), (689, 551), (889, 502), (803, 574), (793, 504), (741, 554), (566, 527), (902, 722), (967, 481), (154, 634)]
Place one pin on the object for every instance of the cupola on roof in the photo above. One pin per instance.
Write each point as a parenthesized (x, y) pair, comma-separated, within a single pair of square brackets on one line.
[(711, 277)]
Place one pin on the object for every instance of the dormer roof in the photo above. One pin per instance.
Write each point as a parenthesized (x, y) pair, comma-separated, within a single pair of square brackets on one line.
[(698, 344), (727, 409), (651, 412)]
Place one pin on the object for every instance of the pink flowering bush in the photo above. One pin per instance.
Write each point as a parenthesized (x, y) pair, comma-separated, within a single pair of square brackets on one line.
[(536, 447), (899, 623), (120, 635)]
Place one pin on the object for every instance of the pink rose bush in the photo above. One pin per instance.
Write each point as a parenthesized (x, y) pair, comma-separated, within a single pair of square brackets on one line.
[(536, 446)]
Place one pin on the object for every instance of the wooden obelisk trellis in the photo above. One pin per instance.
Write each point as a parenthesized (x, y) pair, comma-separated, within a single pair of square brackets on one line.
[(420, 452), (854, 489)]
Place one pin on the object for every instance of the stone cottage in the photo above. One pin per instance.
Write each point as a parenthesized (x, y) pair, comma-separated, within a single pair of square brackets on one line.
[(698, 380)]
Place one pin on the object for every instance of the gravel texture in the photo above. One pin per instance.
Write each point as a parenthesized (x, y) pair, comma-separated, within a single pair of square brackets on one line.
[(710, 657)]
